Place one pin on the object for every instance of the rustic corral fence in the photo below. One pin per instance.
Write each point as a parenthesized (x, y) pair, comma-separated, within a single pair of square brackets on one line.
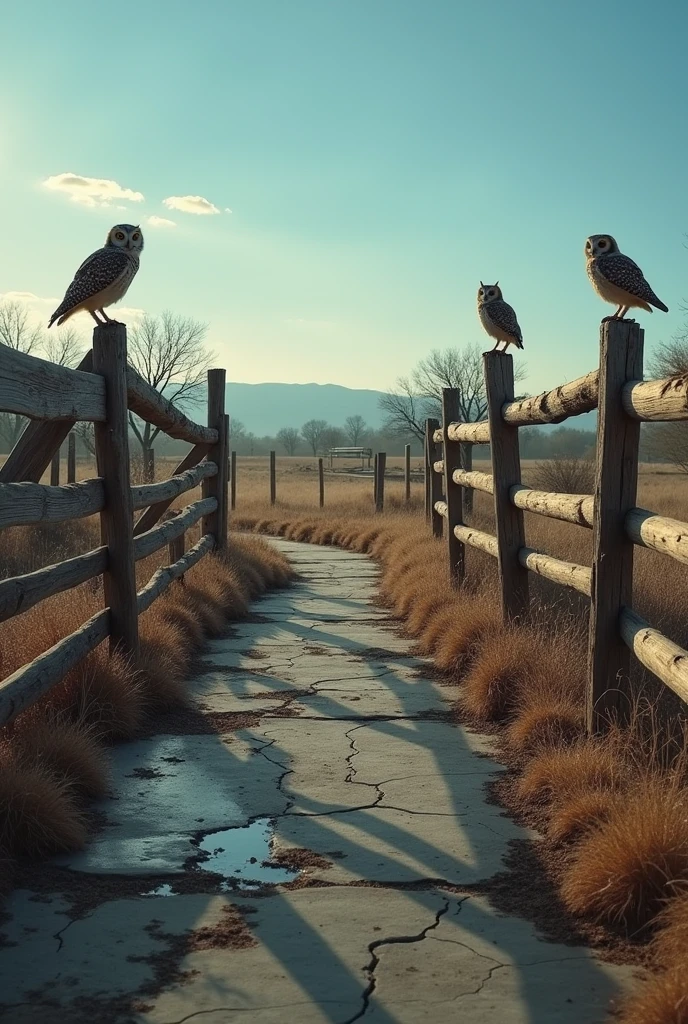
[(101, 391), (623, 400)]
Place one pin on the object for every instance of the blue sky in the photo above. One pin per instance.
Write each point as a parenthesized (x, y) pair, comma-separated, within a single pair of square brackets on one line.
[(379, 158)]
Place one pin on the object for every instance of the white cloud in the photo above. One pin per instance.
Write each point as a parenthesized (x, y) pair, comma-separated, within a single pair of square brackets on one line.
[(160, 222), (90, 192), (227, 209), (190, 204), (29, 299)]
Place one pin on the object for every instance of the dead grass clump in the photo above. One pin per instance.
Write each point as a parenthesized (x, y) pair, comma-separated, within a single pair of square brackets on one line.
[(163, 659), (438, 625), (671, 941), (509, 662), (362, 540), (626, 870), (182, 617), (471, 623), (580, 813), (275, 567), (105, 692), (662, 999), (425, 606), (65, 749), (556, 775), (208, 611), (554, 724), (39, 813)]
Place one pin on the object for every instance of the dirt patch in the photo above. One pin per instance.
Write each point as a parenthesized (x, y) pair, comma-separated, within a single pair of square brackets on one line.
[(187, 721), (300, 858), (146, 773)]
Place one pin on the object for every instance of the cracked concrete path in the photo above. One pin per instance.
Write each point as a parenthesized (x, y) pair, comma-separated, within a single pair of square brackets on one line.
[(334, 860)]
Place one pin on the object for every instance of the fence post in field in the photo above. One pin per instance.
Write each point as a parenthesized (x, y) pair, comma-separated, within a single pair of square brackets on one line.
[(506, 472), (216, 486), (321, 482), (467, 464), (380, 466), (452, 491), (616, 479), (273, 479), (225, 485), (116, 519), (427, 471), (407, 473), (433, 479), (233, 480), (55, 469), (375, 480), (71, 458)]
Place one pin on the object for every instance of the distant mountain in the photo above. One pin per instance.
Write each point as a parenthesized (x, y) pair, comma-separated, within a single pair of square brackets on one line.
[(265, 408)]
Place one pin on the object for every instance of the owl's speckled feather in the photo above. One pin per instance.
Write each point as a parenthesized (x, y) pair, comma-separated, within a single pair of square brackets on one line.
[(617, 278), (498, 317), (104, 277)]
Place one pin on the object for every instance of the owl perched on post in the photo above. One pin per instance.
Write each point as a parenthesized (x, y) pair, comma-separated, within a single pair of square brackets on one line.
[(617, 279), (498, 317), (104, 277)]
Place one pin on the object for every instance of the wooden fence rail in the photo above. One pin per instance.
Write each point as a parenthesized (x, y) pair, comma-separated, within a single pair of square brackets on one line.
[(623, 401), (103, 390)]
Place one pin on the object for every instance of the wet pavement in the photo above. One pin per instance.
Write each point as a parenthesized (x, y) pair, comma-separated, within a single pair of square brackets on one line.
[(330, 863)]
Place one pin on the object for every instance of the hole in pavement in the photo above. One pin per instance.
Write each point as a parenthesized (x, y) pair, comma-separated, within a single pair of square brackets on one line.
[(244, 856)]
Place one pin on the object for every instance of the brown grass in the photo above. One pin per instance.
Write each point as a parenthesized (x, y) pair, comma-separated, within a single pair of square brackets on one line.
[(39, 814), (556, 775), (663, 999), (68, 750), (671, 939), (580, 812)]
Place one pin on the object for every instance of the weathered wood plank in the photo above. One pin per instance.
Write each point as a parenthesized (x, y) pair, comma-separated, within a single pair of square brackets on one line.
[(656, 400), (433, 481), (150, 405), (621, 360), (456, 552), (477, 539), (662, 656), (117, 515), (40, 439), (441, 509), (23, 688), (567, 574), (23, 504), (164, 533), (19, 593), (668, 536), (321, 483), (506, 473), (476, 481), (216, 486), (554, 406), (569, 508), (42, 390), (473, 433), (161, 579), (438, 467), (168, 490), (151, 516)]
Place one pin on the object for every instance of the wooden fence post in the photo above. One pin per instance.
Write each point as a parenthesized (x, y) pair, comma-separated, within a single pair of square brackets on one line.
[(321, 482), (467, 464), (375, 480), (234, 480), (117, 518), (453, 492), (225, 486), (427, 472), (506, 472), (55, 469), (616, 479), (407, 473), (433, 480), (216, 486), (380, 466), (273, 479), (71, 458)]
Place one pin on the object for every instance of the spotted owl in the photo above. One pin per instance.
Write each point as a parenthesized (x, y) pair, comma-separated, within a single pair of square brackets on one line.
[(617, 279), (498, 317), (104, 277)]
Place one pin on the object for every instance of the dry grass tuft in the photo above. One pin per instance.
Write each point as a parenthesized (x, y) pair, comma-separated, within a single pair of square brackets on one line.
[(104, 692), (64, 749), (163, 661), (555, 775), (671, 941), (626, 870), (471, 624), (580, 813), (536, 727), (183, 618), (38, 812), (662, 999), (511, 660)]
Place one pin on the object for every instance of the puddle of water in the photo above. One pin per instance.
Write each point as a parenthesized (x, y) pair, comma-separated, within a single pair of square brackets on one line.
[(239, 854), (162, 890)]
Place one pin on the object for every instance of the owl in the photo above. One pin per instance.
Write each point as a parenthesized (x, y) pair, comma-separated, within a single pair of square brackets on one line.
[(617, 279), (104, 277), (498, 317)]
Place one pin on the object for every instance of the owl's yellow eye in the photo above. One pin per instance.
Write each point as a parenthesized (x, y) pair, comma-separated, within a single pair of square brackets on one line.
[(119, 236), (136, 237)]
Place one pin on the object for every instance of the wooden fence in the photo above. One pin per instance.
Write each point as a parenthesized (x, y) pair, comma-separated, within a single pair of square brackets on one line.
[(623, 401), (102, 390)]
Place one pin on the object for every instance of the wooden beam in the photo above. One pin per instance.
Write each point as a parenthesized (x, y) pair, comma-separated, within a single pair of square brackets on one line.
[(668, 536), (150, 405), (151, 516), (566, 574), (117, 517), (19, 593), (216, 487), (567, 400), (569, 508), (656, 400), (456, 552), (381, 465), (161, 579), (473, 480), (433, 480), (151, 494), (618, 436), (168, 531), (473, 433), (20, 690), (224, 526), (477, 539), (506, 473), (321, 483), (24, 504), (661, 656), (42, 390)]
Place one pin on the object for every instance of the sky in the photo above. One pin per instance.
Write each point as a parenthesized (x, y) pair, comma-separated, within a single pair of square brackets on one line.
[(325, 182)]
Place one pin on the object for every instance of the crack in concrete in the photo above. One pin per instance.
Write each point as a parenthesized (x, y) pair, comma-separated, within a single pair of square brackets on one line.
[(374, 962), (351, 775)]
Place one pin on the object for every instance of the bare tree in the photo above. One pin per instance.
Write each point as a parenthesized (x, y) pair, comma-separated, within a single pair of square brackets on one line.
[(18, 332), (332, 437), (289, 437), (312, 433), (355, 428), (169, 353), (668, 442), (64, 346)]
